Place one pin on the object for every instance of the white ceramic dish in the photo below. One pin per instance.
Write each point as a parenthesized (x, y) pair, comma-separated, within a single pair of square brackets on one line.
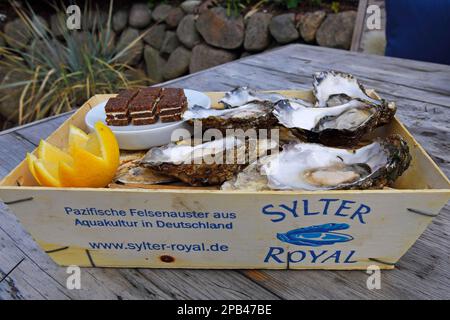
[(144, 137)]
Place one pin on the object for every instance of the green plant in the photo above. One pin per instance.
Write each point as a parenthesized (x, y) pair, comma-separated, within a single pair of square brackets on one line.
[(50, 76), (236, 6), (290, 4), (335, 6)]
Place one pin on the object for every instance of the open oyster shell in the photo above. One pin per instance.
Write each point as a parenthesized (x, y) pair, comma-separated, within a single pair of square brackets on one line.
[(243, 95), (308, 166), (250, 179), (210, 163), (333, 88), (342, 125), (253, 115)]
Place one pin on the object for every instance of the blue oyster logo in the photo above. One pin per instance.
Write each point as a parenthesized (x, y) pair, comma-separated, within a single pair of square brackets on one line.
[(316, 236)]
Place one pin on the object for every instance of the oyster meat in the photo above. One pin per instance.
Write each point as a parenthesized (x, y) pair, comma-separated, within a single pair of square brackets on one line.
[(333, 88), (309, 166), (210, 163)]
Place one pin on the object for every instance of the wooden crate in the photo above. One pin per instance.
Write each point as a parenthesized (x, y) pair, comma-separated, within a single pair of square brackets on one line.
[(226, 229)]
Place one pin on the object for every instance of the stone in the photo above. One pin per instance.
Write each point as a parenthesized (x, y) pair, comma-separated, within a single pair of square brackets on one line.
[(310, 23), (245, 54), (17, 34), (219, 30), (257, 34), (161, 12), (178, 63), (282, 28), (336, 30), (132, 55), (204, 57), (155, 36), (187, 32), (140, 15), (170, 42), (154, 64), (138, 74), (190, 6), (174, 17), (120, 20)]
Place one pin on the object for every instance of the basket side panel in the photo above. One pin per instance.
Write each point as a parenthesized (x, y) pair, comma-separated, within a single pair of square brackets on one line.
[(173, 229)]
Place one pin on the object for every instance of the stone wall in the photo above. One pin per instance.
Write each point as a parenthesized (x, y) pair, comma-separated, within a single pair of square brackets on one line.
[(180, 40)]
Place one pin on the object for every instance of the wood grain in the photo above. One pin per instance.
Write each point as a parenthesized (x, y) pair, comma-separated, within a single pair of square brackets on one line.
[(359, 25), (423, 98)]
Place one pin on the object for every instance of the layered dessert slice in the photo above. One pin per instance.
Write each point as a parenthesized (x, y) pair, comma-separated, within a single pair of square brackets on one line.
[(116, 110), (143, 107), (172, 104), (143, 110)]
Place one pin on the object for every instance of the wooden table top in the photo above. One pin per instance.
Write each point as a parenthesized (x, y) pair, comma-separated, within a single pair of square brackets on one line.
[(422, 93)]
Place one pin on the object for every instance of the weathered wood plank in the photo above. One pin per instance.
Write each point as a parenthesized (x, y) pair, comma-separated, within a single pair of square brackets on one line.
[(411, 80), (42, 130), (402, 78), (359, 25), (13, 147)]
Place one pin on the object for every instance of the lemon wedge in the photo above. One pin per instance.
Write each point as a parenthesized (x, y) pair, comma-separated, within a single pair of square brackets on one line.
[(52, 154), (77, 137), (90, 161)]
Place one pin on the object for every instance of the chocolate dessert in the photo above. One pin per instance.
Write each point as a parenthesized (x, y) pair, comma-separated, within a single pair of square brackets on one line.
[(143, 106), (143, 109), (172, 104), (116, 110)]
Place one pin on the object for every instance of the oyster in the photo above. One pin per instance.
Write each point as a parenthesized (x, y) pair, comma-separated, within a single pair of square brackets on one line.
[(250, 179), (253, 115), (243, 108), (308, 166), (131, 173), (342, 125), (333, 88), (243, 95), (210, 163), (134, 174)]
